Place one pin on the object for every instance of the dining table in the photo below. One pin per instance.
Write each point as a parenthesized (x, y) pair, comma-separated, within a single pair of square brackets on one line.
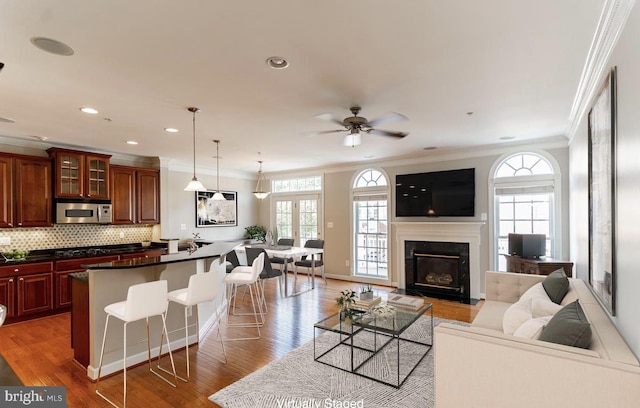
[(282, 251)]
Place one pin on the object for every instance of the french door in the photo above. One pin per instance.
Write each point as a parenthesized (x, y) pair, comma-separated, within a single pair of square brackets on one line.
[(297, 217)]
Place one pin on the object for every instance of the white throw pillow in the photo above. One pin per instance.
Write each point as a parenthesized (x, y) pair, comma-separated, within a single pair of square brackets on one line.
[(541, 304), (532, 328), (516, 315)]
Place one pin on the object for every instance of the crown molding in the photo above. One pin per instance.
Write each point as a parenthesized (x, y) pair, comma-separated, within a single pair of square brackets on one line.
[(435, 156), (612, 21)]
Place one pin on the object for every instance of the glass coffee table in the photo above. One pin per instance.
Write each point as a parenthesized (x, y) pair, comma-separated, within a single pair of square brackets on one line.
[(386, 350)]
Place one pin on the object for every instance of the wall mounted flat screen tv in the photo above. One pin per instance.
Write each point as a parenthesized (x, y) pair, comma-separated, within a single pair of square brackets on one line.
[(448, 193)]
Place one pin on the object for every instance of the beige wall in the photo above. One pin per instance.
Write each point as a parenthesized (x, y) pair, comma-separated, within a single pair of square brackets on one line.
[(626, 57), (337, 204)]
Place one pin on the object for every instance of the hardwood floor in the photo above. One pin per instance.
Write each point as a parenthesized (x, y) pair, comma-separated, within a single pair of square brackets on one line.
[(39, 351)]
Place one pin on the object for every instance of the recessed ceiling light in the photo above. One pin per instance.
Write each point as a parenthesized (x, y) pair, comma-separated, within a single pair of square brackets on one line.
[(52, 46), (7, 120), (277, 62), (171, 130), (132, 142), (430, 148), (87, 109), (369, 156), (507, 137)]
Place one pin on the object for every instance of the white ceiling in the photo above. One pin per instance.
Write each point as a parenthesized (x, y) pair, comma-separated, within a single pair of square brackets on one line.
[(515, 64)]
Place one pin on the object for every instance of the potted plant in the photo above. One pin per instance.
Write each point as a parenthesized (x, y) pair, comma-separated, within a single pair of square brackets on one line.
[(366, 292), (255, 232), (345, 300)]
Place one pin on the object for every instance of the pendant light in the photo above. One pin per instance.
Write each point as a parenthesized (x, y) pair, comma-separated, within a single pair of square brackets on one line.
[(218, 195), (260, 192), (194, 184)]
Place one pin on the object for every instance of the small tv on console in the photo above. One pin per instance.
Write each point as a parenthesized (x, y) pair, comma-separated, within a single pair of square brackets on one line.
[(448, 193), (527, 245)]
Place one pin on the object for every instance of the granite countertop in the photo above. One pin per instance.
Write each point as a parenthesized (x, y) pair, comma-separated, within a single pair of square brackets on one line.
[(50, 255), (213, 250)]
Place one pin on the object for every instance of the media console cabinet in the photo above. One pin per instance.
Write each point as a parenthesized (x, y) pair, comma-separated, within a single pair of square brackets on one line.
[(537, 266)]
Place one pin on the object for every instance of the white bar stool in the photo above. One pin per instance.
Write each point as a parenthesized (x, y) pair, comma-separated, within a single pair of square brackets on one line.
[(202, 287), (144, 300), (240, 277)]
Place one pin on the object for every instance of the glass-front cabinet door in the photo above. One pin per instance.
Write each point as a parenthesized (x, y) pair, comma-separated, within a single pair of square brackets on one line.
[(97, 177), (70, 170), (80, 174)]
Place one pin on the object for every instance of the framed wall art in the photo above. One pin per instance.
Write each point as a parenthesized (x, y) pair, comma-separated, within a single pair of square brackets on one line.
[(216, 213), (602, 194)]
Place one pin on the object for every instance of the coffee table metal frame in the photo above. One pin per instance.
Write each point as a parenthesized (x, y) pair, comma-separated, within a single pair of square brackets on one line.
[(391, 328)]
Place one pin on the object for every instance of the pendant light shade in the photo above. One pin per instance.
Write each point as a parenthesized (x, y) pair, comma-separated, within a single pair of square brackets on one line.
[(218, 195), (194, 184), (260, 192)]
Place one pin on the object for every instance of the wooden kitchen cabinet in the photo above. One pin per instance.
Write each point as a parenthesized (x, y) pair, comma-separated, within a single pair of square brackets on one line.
[(80, 174), (25, 191), (27, 288), (135, 195), (62, 282), (8, 295), (6, 191)]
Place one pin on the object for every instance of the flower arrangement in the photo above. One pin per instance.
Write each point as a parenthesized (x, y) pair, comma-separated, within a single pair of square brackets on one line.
[(383, 311)]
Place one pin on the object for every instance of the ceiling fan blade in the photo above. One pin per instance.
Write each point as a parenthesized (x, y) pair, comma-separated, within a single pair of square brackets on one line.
[(389, 117), (329, 117), (399, 135), (312, 134)]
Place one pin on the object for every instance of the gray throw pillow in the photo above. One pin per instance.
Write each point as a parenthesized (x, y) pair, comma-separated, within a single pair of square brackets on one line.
[(569, 327), (556, 285)]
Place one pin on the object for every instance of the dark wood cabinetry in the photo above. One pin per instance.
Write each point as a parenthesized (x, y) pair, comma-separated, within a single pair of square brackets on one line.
[(135, 195), (25, 191), (542, 266), (62, 282), (27, 289), (146, 254), (80, 174)]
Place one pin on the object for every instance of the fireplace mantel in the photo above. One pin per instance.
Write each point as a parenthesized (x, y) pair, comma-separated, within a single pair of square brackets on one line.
[(466, 232)]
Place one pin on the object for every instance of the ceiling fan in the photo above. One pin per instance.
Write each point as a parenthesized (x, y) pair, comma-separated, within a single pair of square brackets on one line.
[(356, 125)]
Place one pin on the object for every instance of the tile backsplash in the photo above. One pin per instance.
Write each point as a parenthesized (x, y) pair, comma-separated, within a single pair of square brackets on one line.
[(74, 235)]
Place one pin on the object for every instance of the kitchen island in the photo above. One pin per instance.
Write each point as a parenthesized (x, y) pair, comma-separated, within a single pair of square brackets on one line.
[(108, 282)]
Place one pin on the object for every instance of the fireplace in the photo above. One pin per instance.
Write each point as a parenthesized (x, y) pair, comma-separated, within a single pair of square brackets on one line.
[(438, 269)]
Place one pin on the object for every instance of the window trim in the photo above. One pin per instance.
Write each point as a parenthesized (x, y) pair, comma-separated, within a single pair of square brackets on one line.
[(524, 181), (371, 191)]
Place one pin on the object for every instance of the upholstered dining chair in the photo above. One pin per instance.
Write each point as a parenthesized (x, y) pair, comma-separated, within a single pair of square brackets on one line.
[(267, 272), (280, 263), (232, 261), (306, 261)]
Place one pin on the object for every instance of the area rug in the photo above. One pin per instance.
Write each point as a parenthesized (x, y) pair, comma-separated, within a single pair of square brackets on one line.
[(296, 380)]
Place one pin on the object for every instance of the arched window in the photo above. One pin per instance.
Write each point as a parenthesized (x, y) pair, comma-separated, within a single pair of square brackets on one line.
[(525, 189), (370, 224)]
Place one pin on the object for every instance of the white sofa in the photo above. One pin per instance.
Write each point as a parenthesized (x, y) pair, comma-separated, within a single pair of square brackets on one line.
[(480, 366)]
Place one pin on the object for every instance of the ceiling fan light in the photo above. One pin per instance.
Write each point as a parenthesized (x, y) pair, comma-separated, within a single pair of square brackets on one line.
[(194, 185), (352, 139)]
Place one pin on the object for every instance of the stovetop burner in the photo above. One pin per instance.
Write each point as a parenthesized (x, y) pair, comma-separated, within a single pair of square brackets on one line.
[(74, 253)]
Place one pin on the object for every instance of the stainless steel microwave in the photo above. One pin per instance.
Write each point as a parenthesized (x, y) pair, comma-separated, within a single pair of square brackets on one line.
[(83, 213)]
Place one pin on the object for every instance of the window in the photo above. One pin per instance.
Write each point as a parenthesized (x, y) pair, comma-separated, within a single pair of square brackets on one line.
[(524, 187), (370, 224), (297, 185)]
